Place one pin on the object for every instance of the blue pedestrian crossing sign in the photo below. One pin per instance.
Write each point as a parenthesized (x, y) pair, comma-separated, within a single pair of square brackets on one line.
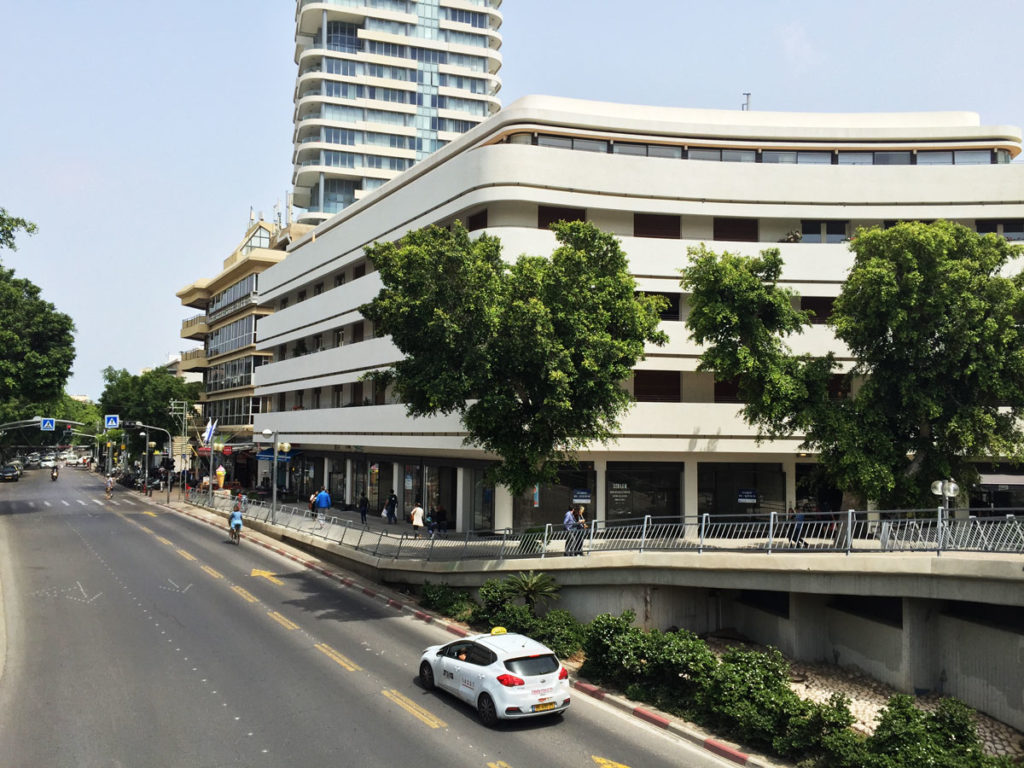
[(112, 421), (47, 425)]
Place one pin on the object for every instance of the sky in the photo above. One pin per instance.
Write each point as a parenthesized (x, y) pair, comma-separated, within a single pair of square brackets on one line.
[(137, 136)]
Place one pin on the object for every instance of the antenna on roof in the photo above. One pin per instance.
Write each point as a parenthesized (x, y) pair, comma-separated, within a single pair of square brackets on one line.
[(745, 106)]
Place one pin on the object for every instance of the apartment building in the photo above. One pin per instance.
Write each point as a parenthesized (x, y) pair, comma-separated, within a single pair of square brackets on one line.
[(661, 179), (381, 84)]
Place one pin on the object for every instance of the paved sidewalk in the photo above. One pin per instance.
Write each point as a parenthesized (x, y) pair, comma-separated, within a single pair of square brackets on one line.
[(814, 681)]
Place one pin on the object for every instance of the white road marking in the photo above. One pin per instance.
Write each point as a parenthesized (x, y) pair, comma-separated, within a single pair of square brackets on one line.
[(65, 502)]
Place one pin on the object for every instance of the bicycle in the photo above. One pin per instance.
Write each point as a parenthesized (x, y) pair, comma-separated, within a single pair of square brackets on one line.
[(234, 533)]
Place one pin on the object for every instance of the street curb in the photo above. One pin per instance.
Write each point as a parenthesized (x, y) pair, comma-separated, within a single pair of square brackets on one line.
[(677, 727)]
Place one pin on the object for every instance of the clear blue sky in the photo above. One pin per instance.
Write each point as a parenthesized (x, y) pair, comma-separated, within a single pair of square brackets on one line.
[(137, 135)]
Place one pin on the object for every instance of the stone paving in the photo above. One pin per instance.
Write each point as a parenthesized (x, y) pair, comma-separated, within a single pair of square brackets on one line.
[(818, 681)]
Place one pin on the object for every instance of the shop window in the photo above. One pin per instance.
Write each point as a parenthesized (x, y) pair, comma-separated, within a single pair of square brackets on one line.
[(735, 230), (549, 214), (657, 386), (657, 225)]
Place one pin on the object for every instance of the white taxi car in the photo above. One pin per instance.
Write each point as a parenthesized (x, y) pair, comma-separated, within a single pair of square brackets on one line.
[(503, 674)]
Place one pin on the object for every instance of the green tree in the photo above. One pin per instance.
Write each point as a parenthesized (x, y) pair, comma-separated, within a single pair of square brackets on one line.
[(531, 355), (932, 323), (9, 226), (146, 398)]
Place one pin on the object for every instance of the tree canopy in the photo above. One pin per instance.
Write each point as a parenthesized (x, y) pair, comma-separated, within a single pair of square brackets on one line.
[(932, 323), (531, 355), (146, 398), (36, 341)]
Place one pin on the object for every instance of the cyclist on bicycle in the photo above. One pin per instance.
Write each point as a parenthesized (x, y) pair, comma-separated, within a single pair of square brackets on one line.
[(235, 523)]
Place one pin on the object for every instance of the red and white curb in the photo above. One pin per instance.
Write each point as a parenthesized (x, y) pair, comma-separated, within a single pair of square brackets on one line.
[(678, 727)]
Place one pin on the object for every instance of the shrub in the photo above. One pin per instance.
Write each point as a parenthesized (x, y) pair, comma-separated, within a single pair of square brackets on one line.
[(495, 594), (514, 618), (561, 632), (446, 600), (598, 638), (749, 696)]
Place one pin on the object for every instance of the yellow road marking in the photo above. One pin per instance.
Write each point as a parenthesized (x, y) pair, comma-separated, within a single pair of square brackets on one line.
[(247, 596), (185, 554), (147, 530), (162, 540), (266, 575), (499, 764), (414, 709), (215, 574), (286, 623), (147, 512), (332, 654), (606, 763)]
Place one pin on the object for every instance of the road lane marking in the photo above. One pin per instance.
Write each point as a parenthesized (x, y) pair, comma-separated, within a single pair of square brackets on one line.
[(46, 503), (338, 658), (266, 575), (246, 595), (499, 764), (414, 709), (147, 530), (65, 502), (185, 554), (162, 540), (147, 512), (606, 763), (80, 502), (215, 574), (284, 622)]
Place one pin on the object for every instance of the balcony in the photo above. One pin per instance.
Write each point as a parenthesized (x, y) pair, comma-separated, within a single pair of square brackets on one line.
[(193, 360), (195, 327)]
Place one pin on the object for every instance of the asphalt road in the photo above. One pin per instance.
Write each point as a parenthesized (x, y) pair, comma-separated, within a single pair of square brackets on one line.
[(135, 636)]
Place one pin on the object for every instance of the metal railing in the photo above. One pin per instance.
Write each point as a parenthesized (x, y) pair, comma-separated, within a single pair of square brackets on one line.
[(774, 533)]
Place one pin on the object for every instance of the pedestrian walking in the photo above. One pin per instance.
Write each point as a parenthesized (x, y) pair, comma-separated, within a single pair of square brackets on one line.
[(391, 507), (569, 524), (364, 507), (417, 518), (441, 518)]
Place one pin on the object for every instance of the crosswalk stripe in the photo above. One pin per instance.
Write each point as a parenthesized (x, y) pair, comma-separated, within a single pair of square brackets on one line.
[(80, 502), (65, 502)]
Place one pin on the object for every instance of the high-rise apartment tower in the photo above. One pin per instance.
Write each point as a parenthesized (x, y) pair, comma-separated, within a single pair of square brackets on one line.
[(382, 84)]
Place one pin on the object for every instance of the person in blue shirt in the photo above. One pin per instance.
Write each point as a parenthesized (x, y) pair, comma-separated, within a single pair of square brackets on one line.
[(235, 522), (323, 500)]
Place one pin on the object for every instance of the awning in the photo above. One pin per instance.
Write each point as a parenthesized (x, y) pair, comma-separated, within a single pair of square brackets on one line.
[(1001, 480), (267, 454)]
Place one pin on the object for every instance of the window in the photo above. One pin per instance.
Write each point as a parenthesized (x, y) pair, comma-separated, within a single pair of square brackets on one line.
[(856, 158), (702, 153), (934, 158), (300, 297), (727, 391), (359, 271), (823, 231), (549, 214), (892, 158), (318, 289), (316, 398), (661, 150), (625, 148), (339, 280), (776, 156), (739, 156), (735, 230), (671, 311), (657, 386), (821, 306), (339, 337), (590, 145), (477, 220), (318, 342), (657, 225), (814, 158), (300, 400), (284, 302), (1011, 229), (972, 157), (336, 391), (560, 142), (281, 402), (357, 332)]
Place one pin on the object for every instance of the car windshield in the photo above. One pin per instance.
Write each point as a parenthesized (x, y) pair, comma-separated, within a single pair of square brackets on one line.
[(528, 666)]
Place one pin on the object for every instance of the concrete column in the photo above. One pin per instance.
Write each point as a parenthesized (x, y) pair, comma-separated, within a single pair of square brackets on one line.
[(789, 467), (600, 474), (920, 651), (460, 499), (327, 473), (502, 507), (690, 507), (808, 636), (398, 478), (349, 498)]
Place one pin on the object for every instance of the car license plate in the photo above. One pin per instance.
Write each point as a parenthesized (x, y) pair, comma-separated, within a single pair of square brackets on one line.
[(543, 707)]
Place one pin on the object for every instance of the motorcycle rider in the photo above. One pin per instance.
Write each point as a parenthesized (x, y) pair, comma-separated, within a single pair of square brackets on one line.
[(53, 473)]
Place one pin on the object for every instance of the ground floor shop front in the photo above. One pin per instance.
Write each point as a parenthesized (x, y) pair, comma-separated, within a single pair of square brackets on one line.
[(611, 491)]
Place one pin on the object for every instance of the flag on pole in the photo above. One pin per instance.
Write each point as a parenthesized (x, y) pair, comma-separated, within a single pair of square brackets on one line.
[(211, 427)]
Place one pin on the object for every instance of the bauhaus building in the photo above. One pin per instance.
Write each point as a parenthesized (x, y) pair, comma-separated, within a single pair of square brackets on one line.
[(661, 180)]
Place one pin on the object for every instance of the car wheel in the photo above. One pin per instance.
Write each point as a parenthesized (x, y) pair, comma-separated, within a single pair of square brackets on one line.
[(427, 675), (485, 708)]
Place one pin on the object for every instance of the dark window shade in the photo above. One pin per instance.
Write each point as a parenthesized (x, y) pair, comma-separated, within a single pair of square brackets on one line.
[(736, 230), (477, 220), (820, 305), (727, 391), (549, 214), (671, 312), (657, 225), (657, 386)]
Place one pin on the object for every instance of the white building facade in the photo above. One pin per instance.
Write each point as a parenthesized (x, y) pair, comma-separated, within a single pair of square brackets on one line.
[(382, 84), (661, 180)]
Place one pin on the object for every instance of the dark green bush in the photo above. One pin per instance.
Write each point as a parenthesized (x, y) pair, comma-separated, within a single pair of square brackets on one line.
[(495, 595), (749, 696), (446, 600), (561, 632), (598, 638)]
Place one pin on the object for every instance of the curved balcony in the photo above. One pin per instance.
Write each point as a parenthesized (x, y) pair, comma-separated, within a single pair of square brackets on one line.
[(195, 327), (193, 360)]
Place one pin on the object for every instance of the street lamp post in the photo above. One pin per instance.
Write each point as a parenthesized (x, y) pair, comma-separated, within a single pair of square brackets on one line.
[(272, 434), (149, 427), (145, 462)]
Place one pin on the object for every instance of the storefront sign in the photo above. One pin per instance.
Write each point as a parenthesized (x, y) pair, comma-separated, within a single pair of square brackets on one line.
[(746, 496), (581, 496)]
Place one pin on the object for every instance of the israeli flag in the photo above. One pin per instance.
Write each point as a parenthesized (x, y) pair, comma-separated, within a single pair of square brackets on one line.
[(211, 427)]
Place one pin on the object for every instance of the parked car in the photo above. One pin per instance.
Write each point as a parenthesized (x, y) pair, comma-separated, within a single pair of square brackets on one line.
[(503, 675), (9, 472)]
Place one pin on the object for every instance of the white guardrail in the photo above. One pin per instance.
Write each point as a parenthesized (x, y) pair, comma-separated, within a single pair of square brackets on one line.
[(842, 532)]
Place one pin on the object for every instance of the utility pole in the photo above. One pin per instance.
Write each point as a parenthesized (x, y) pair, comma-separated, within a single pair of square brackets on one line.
[(179, 409)]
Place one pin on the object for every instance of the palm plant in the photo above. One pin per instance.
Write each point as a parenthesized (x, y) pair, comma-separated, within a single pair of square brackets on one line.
[(533, 588)]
